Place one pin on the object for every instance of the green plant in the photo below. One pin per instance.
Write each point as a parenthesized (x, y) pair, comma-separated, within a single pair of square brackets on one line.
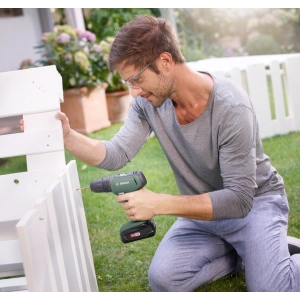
[(115, 84), (262, 44), (105, 22), (78, 57)]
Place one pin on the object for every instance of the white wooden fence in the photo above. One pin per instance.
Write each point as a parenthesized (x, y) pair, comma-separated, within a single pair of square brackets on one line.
[(44, 241), (273, 83)]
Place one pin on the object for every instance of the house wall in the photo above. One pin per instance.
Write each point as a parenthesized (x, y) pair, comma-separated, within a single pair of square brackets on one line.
[(18, 36)]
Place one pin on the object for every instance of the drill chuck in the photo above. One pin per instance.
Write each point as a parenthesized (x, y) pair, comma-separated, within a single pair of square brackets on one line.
[(101, 186)]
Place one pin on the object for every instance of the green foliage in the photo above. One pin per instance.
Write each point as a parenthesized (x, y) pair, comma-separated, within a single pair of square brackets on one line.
[(262, 44), (105, 22), (80, 60), (115, 83), (60, 16)]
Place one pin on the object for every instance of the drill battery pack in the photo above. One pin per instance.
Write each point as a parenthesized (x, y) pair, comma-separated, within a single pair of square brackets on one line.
[(137, 230)]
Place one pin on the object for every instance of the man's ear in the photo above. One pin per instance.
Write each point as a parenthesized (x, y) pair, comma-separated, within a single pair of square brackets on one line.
[(166, 60)]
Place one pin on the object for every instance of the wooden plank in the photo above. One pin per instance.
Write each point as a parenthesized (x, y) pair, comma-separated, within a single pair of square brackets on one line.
[(53, 194), (236, 76), (81, 227), (292, 68), (282, 124), (258, 91), (36, 142), (42, 76), (44, 161), (13, 284), (42, 120), (62, 227), (31, 232), (51, 255), (30, 91)]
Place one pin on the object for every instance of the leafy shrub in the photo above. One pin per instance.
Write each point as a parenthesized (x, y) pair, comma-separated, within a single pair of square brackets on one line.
[(262, 44), (105, 22)]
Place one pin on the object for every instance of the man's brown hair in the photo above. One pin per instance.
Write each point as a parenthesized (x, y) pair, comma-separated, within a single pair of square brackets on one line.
[(140, 41)]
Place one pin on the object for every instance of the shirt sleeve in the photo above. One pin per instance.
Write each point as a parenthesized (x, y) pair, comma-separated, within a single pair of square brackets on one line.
[(237, 158), (128, 141)]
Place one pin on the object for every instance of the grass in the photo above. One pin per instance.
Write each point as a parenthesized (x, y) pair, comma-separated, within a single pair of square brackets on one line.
[(123, 267)]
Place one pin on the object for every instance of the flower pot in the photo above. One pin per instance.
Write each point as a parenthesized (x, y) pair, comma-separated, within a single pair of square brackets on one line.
[(86, 109), (118, 104)]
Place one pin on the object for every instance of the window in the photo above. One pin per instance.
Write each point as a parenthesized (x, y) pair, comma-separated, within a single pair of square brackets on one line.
[(10, 12)]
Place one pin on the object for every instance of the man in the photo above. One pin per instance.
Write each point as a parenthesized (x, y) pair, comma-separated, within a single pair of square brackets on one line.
[(232, 205)]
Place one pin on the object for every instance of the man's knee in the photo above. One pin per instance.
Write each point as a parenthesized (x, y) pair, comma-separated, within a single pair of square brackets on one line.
[(158, 279)]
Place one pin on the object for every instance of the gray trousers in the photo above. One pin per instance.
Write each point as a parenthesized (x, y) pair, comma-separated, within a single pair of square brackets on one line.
[(194, 253)]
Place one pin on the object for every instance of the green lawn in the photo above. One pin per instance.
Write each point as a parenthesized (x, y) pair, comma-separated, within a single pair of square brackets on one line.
[(123, 267)]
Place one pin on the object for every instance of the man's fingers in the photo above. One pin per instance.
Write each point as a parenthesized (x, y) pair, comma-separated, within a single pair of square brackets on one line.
[(22, 124)]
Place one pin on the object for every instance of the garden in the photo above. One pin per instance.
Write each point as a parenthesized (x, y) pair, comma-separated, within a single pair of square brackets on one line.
[(81, 57)]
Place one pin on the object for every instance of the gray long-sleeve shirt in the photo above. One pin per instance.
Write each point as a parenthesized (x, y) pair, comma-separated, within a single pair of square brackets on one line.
[(220, 152)]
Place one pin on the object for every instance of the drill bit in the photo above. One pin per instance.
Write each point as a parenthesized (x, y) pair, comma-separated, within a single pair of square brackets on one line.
[(84, 188)]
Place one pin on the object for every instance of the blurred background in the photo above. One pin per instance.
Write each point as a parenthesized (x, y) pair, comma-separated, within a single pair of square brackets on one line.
[(203, 32)]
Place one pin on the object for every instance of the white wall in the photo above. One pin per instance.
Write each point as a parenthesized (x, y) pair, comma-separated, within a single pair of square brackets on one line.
[(18, 36)]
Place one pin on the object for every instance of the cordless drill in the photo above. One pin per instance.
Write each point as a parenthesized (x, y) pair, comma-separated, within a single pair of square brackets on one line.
[(122, 184)]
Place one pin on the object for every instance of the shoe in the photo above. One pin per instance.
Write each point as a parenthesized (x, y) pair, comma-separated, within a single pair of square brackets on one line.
[(294, 245)]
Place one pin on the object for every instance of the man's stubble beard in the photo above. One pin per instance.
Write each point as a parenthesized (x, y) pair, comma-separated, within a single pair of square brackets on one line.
[(163, 91)]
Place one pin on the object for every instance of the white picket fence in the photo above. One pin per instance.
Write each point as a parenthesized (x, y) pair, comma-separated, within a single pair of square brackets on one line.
[(273, 83), (44, 241)]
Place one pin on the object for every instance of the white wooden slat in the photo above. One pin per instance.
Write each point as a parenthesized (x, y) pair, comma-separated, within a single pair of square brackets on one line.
[(219, 73), (281, 124), (17, 198), (13, 284), (42, 120), (46, 210), (51, 255), (292, 66), (44, 161), (30, 91), (81, 225), (236, 76), (42, 141), (58, 200), (42, 76), (258, 92), (31, 232), (39, 100), (10, 259)]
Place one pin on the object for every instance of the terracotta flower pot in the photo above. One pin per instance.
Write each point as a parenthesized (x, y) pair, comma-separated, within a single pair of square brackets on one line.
[(118, 104), (86, 109)]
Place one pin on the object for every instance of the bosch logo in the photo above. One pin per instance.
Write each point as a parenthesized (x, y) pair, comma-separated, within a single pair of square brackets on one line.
[(124, 182), (135, 234)]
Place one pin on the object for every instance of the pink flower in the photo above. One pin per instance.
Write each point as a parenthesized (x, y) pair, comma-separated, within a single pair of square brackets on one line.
[(87, 35), (63, 38)]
